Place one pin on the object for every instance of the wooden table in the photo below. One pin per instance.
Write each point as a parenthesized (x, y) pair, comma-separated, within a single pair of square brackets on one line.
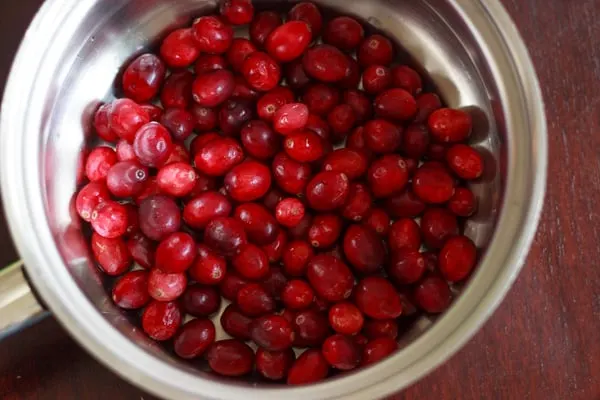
[(543, 342)]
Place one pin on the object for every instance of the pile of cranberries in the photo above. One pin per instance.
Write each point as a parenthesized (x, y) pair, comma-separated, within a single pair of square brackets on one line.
[(267, 178)]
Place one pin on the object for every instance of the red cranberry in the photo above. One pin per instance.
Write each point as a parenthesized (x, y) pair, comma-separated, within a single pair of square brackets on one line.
[(436, 151), (330, 277), (427, 103), (178, 49), (239, 50), (212, 35), (341, 352), (405, 204), (243, 91), (274, 365), (194, 338), (261, 71), (379, 221), (213, 88), (326, 63), (415, 141), (204, 117), (327, 190), (149, 188), (346, 318), (126, 117), (176, 253), (437, 225), (356, 141), (361, 341), (234, 114), (177, 179), (296, 256), (203, 184), (109, 219), (218, 156), (133, 223), (295, 76), (230, 357), (251, 262), (199, 141), (407, 78), (304, 146), (264, 23), (254, 301), (311, 328), (259, 140), (387, 175), (236, 324), (248, 181), (102, 123), (382, 136), (463, 203), (237, 12), (360, 103), (161, 320), (457, 258), (297, 295), (289, 212), (350, 162), (272, 332), (407, 266), (208, 267), (341, 119), (375, 49), (154, 112), (288, 41), (178, 122), (179, 154), (152, 145), (131, 290), (433, 185), (364, 249), (259, 224), (317, 125), (378, 349), (291, 176), (159, 217), (201, 301), (404, 235), (89, 197), (290, 118), (275, 282), (209, 63), (143, 78), (177, 90), (165, 286), (433, 295), (358, 204), (450, 126), (142, 250), (111, 254), (325, 230), (274, 250), (231, 285), (465, 161), (204, 208), (377, 298), (395, 104), (310, 367), (271, 101), (321, 98), (309, 13), (344, 33), (225, 235), (300, 231), (126, 178), (376, 79)]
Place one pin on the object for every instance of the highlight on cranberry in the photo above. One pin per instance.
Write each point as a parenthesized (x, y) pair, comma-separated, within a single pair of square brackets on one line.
[(283, 175)]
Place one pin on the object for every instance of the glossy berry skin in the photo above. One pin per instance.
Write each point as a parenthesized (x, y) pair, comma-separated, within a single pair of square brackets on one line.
[(111, 255), (375, 49), (152, 145), (364, 249), (404, 204), (210, 62), (259, 140), (290, 117), (219, 156), (341, 119), (199, 211), (375, 329), (208, 268), (289, 212), (321, 98), (407, 266), (213, 88), (377, 298), (433, 295), (387, 175), (309, 13), (350, 162), (274, 250), (175, 253), (99, 162), (274, 365), (142, 250), (177, 179), (159, 217), (427, 103), (304, 146), (297, 295), (101, 124), (300, 231), (379, 221), (311, 328), (437, 226), (225, 236), (463, 203), (378, 349), (415, 141), (251, 262), (448, 125), (194, 338), (358, 204), (178, 49), (200, 301), (345, 33), (261, 71), (178, 122), (230, 357), (317, 125), (237, 12), (161, 320), (177, 90), (376, 78), (212, 35), (407, 78), (236, 324), (248, 181), (126, 117), (382, 136), (433, 185), (310, 367), (330, 277), (131, 290), (258, 223), (154, 112), (405, 234), (465, 161), (109, 219), (272, 332), (239, 50), (346, 318), (234, 114), (271, 101), (341, 352), (295, 76), (296, 256), (290, 175), (143, 77), (275, 282), (360, 103), (395, 104), (254, 301), (263, 24), (457, 258), (325, 63), (325, 230), (165, 286), (327, 190), (288, 41)]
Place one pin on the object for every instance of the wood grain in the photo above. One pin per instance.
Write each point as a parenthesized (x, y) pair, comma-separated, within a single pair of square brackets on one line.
[(543, 342)]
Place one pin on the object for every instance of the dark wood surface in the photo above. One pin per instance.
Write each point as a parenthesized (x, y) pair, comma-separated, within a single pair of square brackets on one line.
[(543, 342)]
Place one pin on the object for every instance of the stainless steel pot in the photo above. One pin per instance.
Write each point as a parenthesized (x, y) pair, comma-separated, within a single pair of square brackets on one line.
[(67, 64)]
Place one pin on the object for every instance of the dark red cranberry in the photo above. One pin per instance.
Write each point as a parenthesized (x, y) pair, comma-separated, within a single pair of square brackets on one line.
[(271, 101), (345, 33), (438, 225), (213, 88), (375, 49), (205, 207), (376, 79), (264, 23), (261, 71), (89, 197), (248, 181), (126, 178), (133, 223), (300, 231), (289, 212), (258, 223), (341, 119), (288, 41), (350, 162), (326, 63), (311, 328), (274, 365), (295, 76), (178, 49), (208, 267), (179, 154), (275, 282), (321, 98), (463, 203), (274, 250), (341, 352), (178, 122), (327, 190), (194, 338), (379, 221), (415, 141), (152, 145), (297, 295), (296, 256), (259, 140), (109, 219), (358, 204), (427, 103), (165, 286), (254, 301), (126, 117), (309, 13), (387, 175), (407, 266), (364, 249), (102, 123), (218, 156), (405, 204), (251, 262), (378, 349), (433, 185), (465, 161), (142, 250), (177, 90), (433, 295), (149, 188), (436, 152), (176, 253), (243, 91), (317, 125), (143, 77), (310, 367), (352, 78), (239, 50), (290, 117), (330, 277), (407, 78), (205, 118), (225, 235), (272, 332), (154, 112), (291, 176), (325, 230), (235, 323), (237, 12), (209, 63), (360, 103), (382, 136), (231, 285), (212, 35), (346, 318), (131, 290), (234, 114), (159, 217), (457, 258), (201, 301), (448, 125), (230, 357), (377, 298), (111, 254), (356, 141), (161, 320), (395, 104)]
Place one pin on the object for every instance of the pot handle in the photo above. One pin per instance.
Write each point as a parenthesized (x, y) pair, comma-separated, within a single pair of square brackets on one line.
[(18, 304)]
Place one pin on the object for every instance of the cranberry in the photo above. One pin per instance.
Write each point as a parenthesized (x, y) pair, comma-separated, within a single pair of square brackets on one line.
[(310, 367), (463, 203), (177, 90), (415, 141), (159, 217), (407, 266), (225, 235), (205, 207), (289, 212), (325, 230), (407, 78), (405, 204), (345, 33), (204, 138), (433, 295), (341, 352), (212, 35), (437, 225), (218, 156), (356, 141), (209, 63), (237, 12), (161, 320), (126, 117), (375, 49), (205, 118), (297, 295), (341, 119), (290, 118), (275, 282), (321, 98), (465, 161), (296, 256), (143, 78), (203, 184), (89, 197), (376, 79), (317, 125), (259, 224), (178, 122), (326, 63), (377, 298), (178, 49), (176, 253), (387, 175), (234, 114), (102, 123), (350, 162), (436, 151), (274, 250), (251, 262), (259, 140), (427, 103), (304, 146), (295, 76), (396, 104), (111, 254), (126, 178), (300, 231), (166, 286), (330, 277), (235, 323), (149, 188), (327, 190), (213, 88), (208, 268), (177, 179), (274, 365), (248, 181), (239, 50), (379, 221), (382, 136), (457, 258), (154, 112), (201, 301), (364, 249), (109, 219), (231, 285), (360, 103), (404, 235), (131, 290), (152, 145), (230, 357), (254, 301), (291, 176), (261, 71), (309, 13), (194, 338), (433, 185), (358, 204), (450, 126), (179, 154), (378, 349), (264, 23), (346, 318), (311, 328), (352, 78), (272, 332), (142, 250), (271, 101)]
